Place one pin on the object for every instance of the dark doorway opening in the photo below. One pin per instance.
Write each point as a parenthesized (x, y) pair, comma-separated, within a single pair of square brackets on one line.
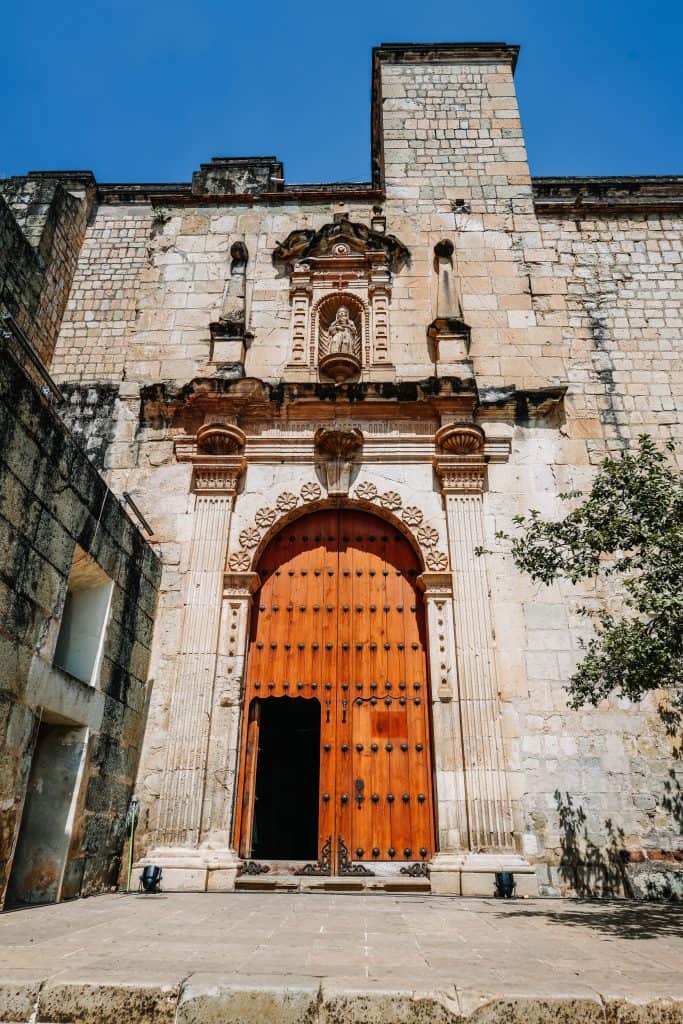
[(287, 780)]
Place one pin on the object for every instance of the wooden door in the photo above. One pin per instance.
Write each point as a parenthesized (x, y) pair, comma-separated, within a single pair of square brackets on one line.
[(339, 619)]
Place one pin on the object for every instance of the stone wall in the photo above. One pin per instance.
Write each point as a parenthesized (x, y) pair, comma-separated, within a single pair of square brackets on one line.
[(42, 223), (622, 277), (52, 499), (102, 313)]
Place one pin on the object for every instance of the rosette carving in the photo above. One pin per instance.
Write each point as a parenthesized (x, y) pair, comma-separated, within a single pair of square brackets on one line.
[(391, 500), (437, 561), (265, 517), (239, 561), (311, 491), (250, 537), (367, 491), (428, 536), (412, 516), (286, 501)]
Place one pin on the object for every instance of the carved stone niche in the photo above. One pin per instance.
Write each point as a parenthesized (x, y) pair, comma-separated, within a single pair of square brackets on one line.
[(448, 334), (340, 291), (337, 449)]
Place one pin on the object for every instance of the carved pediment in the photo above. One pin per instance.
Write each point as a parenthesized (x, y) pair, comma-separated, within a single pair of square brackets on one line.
[(342, 237)]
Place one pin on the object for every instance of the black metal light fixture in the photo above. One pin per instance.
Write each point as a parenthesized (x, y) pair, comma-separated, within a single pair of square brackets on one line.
[(505, 885), (150, 879)]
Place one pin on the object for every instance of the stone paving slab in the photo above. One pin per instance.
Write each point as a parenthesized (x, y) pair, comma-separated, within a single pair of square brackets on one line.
[(249, 958)]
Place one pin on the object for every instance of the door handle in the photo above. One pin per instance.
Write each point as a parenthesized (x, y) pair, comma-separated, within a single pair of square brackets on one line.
[(360, 786)]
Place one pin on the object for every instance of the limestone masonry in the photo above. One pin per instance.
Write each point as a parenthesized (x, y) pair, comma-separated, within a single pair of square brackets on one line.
[(441, 348)]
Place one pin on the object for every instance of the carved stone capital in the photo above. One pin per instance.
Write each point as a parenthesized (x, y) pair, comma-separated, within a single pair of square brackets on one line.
[(465, 475), (436, 584), (240, 584), (219, 477)]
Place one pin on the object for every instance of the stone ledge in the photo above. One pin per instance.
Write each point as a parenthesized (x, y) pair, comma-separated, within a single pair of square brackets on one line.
[(307, 999)]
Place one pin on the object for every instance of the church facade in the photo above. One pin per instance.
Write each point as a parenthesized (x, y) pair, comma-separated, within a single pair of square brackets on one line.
[(325, 399)]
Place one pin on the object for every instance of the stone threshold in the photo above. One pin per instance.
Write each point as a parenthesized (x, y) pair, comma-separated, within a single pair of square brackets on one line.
[(332, 883)]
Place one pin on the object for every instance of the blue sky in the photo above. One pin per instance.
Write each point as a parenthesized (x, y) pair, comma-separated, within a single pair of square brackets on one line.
[(146, 91)]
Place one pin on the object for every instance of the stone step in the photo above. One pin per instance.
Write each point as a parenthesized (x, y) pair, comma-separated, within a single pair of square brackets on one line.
[(333, 883)]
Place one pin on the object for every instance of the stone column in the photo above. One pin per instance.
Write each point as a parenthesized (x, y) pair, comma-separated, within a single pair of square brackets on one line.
[(451, 811), (461, 471), (223, 747), (182, 795)]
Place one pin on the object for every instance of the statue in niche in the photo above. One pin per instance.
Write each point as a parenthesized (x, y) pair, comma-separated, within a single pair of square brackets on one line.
[(342, 334)]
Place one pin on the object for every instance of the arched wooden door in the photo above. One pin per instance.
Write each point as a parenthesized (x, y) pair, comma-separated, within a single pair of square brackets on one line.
[(339, 619)]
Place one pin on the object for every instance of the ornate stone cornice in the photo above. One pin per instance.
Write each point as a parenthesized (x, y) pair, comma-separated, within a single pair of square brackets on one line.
[(219, 476), (307, 243)]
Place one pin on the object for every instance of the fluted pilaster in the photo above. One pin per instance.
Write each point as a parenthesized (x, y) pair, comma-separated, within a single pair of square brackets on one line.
[(462, 477), (183, 786)]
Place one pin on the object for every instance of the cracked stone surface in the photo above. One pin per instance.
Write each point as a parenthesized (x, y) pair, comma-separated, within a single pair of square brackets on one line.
[(246, 958)]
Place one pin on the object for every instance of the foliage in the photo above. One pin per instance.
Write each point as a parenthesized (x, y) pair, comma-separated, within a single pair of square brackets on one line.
[(629, 527)]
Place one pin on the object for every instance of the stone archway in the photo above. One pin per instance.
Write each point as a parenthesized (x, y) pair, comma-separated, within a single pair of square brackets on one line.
[(339, 620)]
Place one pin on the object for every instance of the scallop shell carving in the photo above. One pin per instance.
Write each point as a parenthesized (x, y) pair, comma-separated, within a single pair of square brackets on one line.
[(366, 491), (391, 500), (428, 536), (311, 492), (250, 537), (412, 516), (460, 440), (265, 517), (436, 561), (239, 561), (286, 501)]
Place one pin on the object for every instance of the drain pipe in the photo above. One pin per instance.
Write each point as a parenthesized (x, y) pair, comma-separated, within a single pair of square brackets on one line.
[(131, 822)]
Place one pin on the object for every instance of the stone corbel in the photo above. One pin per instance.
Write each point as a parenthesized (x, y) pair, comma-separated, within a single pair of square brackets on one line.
[(336, 449)]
